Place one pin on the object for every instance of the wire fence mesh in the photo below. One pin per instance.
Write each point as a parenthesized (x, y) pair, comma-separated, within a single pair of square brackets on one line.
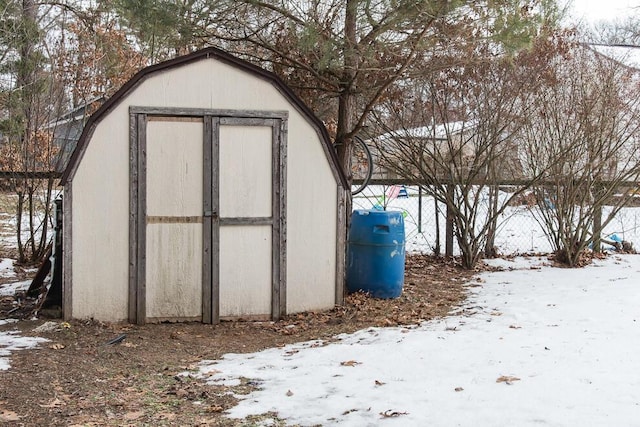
[(518, 230)]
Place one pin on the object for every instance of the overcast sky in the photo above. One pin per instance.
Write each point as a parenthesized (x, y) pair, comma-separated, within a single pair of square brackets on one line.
[(593, 11)]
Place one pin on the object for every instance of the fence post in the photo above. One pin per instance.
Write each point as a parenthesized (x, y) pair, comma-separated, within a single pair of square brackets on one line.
[(489, 246), (448, 249), (597, 228), (420, 210)]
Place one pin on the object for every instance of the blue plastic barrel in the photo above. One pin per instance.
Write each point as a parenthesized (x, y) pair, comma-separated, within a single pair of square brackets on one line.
[(375, 253)]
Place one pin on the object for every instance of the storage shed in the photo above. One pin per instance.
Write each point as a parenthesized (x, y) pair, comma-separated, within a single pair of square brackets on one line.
[(204, 189)]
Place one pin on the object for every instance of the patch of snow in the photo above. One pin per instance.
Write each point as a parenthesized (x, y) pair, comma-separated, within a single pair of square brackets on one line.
[(11, 341), (545, 346), (10, 289), (517, 263), (6, 267), (7, 321)]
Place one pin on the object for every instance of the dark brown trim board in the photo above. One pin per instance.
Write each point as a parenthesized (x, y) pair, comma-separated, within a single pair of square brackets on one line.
[(215, 221), (207, 199), (141, 276), (133, 216), (67, 253)]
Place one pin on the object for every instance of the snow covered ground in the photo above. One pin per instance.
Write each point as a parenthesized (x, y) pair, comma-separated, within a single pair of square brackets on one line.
[(11, 341), (518, 230), (10, 289), (6, 267), (534, 345)]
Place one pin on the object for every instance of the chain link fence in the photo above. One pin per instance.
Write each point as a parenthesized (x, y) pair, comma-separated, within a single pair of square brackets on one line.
[(518, 230)]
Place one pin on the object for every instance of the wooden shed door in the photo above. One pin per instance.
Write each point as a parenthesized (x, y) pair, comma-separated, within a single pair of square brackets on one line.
[(174, 229), (245, 277), (207, 215)]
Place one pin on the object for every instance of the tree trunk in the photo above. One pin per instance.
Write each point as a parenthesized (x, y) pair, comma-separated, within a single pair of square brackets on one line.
[(347, 96), (347, 101), (19, 213), (42, 246), (32, 226), (25, 86), (597, 228), (437, 250)]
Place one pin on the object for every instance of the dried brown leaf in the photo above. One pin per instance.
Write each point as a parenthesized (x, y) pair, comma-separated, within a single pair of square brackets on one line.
[(507, 379), (389, 413), (130, 416), (211, 373)]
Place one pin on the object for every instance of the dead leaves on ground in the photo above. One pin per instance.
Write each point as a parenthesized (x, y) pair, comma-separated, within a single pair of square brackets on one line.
[(350, 363), (432, 287)]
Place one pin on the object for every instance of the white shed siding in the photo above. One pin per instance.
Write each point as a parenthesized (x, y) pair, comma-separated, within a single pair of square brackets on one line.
[(101, 190), (101, 225), (311, 226)]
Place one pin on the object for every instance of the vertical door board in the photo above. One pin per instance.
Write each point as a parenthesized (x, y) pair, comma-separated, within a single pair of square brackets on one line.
[(174, 227)]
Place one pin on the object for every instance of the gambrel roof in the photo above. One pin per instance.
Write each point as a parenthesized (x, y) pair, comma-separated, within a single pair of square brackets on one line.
[(206, 53)]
